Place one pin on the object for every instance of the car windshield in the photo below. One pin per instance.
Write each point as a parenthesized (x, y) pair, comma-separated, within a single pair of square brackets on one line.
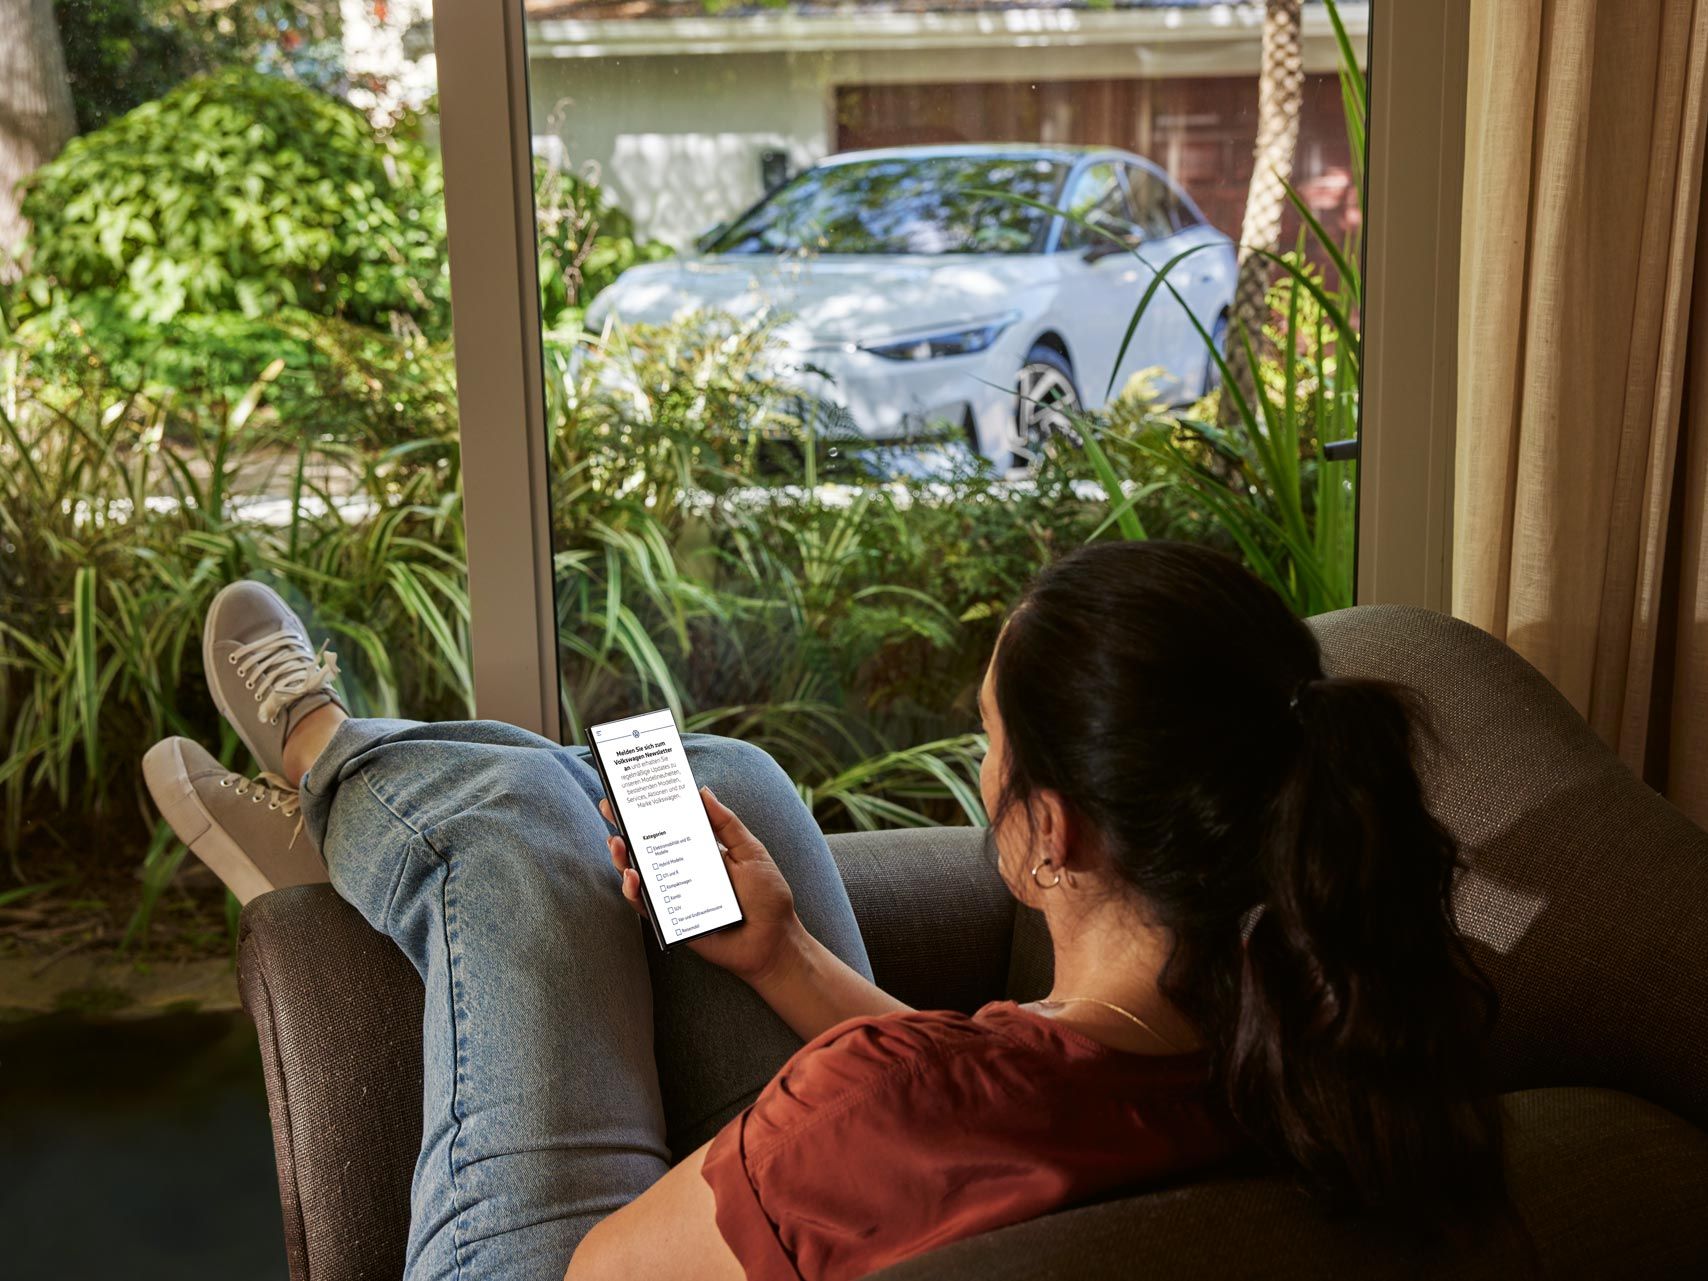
[(904, 205)]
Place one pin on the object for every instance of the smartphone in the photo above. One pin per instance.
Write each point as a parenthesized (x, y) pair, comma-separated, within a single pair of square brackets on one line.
[(663, 822)]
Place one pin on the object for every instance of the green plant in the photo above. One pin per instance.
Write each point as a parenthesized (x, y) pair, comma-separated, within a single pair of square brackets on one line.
[(1267, 485), (118, 55), (757, 603), (243, 192), (119, 521), (585, 242), (760, 609)]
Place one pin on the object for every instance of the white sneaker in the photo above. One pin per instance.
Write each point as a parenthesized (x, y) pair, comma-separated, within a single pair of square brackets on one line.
[(262, 672), (249, 831)]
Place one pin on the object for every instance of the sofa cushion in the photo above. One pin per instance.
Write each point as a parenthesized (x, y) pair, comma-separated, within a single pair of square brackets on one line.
[(1607, 1185), (934, 914), (1587, 895)]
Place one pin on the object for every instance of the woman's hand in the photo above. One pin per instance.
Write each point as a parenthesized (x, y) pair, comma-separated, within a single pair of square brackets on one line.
[(761, 943)]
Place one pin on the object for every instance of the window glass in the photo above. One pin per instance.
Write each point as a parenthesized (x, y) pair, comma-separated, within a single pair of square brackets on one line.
[(225, 352), (822, 395), (1152, 203), (912, 205), (1180, 211), (1097, 204)]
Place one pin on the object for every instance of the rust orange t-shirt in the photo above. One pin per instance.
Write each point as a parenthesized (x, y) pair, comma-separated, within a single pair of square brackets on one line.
[(885, 1137)]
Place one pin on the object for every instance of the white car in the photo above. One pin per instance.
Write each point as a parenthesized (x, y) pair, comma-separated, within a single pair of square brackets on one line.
[(921, 285)]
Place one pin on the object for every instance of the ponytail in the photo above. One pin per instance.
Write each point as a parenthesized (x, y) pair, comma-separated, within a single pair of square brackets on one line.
[(1355, 1047), (1272, 820)]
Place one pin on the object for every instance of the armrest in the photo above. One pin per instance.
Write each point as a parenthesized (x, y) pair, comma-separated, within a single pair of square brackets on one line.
[(937, 919), (338, 1012)]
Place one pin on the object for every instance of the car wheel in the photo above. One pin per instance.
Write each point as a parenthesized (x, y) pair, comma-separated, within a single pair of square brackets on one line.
[(1045, 397), (1213, 371)]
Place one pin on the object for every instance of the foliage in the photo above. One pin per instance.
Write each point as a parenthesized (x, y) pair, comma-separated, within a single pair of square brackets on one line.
[(836, 624), (842, 627), (120, 54), (246, 193), (585, 242), (338, 380), (117, 526), (1266, 486), (189, 396), (1266, 483)]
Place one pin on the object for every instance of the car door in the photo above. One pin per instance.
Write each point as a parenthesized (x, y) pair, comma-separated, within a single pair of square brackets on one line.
[(1100, 280), (1173, 341)]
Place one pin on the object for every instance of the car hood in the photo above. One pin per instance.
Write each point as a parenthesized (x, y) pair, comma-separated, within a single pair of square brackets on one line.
[(826, 300)]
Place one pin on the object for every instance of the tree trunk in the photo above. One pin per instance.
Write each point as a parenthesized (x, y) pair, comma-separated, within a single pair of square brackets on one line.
[(1280, 97), (36, 113)]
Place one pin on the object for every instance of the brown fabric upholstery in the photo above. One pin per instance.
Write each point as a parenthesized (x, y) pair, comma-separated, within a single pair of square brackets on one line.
[(935, 917), (1594, 886), (338, 1012), (1591, 889), (1607, 1186), (1031, 963)]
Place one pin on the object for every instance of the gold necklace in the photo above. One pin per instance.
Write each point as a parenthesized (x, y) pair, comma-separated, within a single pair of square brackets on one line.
[(1110, 1005)]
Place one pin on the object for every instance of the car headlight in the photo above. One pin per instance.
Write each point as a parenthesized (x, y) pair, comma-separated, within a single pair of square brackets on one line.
[(952, 342)]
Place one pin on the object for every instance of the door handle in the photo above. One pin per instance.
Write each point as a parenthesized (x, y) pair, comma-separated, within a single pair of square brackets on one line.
[(1341, 451)]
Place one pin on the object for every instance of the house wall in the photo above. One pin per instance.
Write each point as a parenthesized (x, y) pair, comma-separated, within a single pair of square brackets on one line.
[(678, 138)]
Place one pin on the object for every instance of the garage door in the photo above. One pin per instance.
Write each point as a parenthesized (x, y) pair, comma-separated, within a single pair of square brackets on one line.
[(1200, 129)]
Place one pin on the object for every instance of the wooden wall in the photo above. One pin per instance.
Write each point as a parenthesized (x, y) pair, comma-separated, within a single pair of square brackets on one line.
[(1201, 129)]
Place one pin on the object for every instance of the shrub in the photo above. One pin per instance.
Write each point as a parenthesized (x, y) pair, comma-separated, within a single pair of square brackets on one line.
[(243, 193), (585, 242)]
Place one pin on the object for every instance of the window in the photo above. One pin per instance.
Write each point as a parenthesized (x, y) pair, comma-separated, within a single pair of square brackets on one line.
[(1098, 209), (817, 390), (1154, 203), (226, 345), (904, 205)]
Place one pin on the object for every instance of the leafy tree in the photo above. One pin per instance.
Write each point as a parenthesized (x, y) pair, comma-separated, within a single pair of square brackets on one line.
[(118, 55), (123, 53), (248, 193)]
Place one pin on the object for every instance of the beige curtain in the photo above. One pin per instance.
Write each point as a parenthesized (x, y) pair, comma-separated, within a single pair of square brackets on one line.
[(1580, 527)]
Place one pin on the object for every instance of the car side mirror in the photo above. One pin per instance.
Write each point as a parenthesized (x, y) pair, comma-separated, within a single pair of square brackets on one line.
[(1103, 248)]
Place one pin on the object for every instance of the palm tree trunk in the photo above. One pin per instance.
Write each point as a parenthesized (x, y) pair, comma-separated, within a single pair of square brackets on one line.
[(1280, 97), (36, 113)]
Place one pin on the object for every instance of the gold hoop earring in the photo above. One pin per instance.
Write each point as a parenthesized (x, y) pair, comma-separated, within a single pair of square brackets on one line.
[(1044, 885)]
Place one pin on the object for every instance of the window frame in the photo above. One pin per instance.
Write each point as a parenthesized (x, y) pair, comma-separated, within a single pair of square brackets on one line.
[(1417, 70)]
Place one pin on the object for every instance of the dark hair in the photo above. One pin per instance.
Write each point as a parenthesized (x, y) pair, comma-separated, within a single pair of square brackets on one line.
[(1180, 710)]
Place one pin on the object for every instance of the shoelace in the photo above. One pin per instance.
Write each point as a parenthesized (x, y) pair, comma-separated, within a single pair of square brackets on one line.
[(280, 669), (275, 791)]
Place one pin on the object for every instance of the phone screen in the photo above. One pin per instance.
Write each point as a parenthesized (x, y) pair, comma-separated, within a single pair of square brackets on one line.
[(663, 822)]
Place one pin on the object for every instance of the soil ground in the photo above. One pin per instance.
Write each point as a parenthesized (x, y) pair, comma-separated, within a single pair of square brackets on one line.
[(61, 949)]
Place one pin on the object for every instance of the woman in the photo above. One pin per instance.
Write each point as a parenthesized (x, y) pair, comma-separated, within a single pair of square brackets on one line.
[(1246, 897)]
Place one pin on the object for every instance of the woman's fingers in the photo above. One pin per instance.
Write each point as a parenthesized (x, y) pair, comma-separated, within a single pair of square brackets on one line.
[(605, 810), (731, 832), (627, 875)]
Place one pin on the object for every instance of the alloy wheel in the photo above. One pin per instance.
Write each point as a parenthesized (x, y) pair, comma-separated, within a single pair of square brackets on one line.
[(1045, 397)]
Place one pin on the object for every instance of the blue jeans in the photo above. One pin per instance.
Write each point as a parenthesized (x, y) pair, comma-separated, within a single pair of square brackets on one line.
[(567, 1061)]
